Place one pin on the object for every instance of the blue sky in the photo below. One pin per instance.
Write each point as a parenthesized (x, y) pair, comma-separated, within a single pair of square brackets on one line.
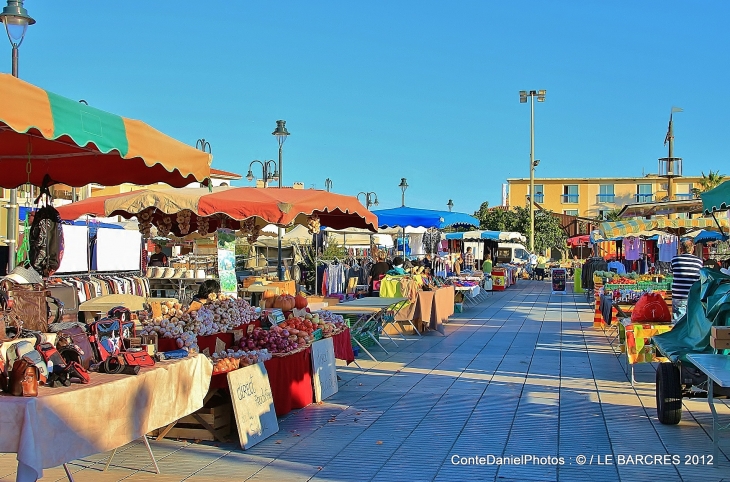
[(378, 90)]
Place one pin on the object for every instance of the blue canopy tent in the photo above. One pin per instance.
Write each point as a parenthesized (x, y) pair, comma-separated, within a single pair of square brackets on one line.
[(422, 218), (403, 217)]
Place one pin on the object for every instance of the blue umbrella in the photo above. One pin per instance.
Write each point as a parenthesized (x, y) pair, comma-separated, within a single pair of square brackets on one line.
[(422, 218), (705, 236)]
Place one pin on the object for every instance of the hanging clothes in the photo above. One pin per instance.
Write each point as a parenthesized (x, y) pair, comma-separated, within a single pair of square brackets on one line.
[(632, 248), (667, 247)]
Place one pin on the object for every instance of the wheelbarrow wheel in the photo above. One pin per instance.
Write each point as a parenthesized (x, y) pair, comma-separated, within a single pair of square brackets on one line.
[(668, 394)]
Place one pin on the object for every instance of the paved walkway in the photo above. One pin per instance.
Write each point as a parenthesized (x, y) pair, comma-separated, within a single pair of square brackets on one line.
[(522, 374)]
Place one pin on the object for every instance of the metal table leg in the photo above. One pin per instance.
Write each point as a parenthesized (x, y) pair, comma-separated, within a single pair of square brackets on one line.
[(710, 401)]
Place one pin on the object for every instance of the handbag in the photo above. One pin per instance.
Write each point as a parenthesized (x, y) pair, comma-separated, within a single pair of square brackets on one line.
[(29, 305), (651, 307), (73, 344), (24, 378)]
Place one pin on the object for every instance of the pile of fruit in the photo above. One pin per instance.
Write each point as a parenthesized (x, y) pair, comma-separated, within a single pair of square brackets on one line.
[(231, 359), (276, 340), (330, 323), (613, 278)]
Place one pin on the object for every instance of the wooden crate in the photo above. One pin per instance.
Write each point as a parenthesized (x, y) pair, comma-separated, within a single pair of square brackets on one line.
[(208, 423)]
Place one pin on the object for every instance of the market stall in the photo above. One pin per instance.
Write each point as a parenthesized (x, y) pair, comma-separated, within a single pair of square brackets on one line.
[(32, 427)]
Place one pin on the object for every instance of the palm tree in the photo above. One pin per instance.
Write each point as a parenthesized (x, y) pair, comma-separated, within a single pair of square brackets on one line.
[(709, 181), (612, 215)]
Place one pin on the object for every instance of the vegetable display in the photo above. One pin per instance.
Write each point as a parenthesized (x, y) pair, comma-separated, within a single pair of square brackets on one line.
[(220, 314), (231, 359)]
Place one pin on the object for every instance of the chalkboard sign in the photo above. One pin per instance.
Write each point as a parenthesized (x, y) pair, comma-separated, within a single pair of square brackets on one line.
[(253, 404), (558, 275), (324, 369)]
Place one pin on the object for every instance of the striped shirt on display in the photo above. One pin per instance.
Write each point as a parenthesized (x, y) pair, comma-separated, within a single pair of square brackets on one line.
[(686, 270)]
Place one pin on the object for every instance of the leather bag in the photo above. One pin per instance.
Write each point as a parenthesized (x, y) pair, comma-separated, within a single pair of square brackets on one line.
[(76, 337), (24, 378), (29, 305), (70, 299)]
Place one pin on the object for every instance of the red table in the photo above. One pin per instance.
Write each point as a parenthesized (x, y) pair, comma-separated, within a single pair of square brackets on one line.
[(343, 346), (291, 381)]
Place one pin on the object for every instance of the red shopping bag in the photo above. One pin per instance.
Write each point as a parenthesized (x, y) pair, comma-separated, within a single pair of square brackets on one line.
[(651, 307)]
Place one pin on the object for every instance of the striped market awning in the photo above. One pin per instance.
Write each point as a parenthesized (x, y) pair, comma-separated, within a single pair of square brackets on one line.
[(45, 134), (636, 226)]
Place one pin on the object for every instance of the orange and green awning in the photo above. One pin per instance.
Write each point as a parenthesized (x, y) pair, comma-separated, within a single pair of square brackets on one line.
[(76, 144)]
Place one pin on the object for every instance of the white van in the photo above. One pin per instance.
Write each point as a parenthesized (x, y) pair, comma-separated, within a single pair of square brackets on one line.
[(514, 253)]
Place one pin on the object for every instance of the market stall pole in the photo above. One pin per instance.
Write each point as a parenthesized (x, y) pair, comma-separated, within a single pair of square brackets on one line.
[(15, 18)]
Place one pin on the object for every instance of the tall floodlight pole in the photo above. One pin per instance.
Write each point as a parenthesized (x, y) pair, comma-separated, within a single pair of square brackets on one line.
[(540, 94), (16, 21), (281, 134)]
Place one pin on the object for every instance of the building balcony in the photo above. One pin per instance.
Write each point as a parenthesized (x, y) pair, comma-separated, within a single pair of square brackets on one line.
[(644, 198), (569, 199), (606, 198), (683, 196)]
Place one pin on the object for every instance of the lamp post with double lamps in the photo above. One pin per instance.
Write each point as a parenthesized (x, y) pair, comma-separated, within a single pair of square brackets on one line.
[(267, 174), (524, 95), (328, 184), (450, 205), (281, 134), (15, 18), (371, 199)]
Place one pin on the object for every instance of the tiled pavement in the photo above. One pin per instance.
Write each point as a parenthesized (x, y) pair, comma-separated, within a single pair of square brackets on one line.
[(522, 374)]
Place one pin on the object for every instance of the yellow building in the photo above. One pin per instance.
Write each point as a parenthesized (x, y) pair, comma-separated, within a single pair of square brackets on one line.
[(593, 197)]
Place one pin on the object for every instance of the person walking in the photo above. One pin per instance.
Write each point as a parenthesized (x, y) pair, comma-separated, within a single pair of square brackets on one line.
[(686, 270)]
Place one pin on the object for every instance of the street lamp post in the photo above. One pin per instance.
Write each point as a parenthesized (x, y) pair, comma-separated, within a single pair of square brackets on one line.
[(450, 204), (281, 134), (266, 168), (371, 199), (328, 184), (16, 21), (403, 186), (524, 94)]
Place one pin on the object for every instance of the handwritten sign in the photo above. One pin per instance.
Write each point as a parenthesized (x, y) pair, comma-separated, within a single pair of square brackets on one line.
[(324, 369), (558, 276), (253, 404)]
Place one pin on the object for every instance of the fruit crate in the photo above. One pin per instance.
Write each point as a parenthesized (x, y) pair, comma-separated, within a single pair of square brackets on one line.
[(219, 418)]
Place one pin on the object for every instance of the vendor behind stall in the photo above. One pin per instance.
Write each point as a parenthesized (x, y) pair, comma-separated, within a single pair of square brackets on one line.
[(158, 258), (377, 272), (397, 267), (205, 289)]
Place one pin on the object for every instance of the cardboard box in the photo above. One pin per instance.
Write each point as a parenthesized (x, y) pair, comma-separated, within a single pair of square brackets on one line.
[(721, 332), (719, 343)]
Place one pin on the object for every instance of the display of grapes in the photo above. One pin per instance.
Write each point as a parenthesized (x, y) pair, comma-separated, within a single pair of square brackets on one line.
[(229, 360)]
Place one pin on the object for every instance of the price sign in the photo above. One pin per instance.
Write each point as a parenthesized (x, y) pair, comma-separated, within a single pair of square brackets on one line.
[(324, 369), (276, 316), (253, 404)]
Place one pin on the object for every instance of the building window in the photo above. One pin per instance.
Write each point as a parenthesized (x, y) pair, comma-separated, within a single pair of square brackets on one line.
[(571, 212), (684, 191), (570, 194), (539, 196), (605, 193), (643, 193)]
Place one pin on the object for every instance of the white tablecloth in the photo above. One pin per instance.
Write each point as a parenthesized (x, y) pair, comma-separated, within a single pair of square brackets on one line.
[(65, 424)]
